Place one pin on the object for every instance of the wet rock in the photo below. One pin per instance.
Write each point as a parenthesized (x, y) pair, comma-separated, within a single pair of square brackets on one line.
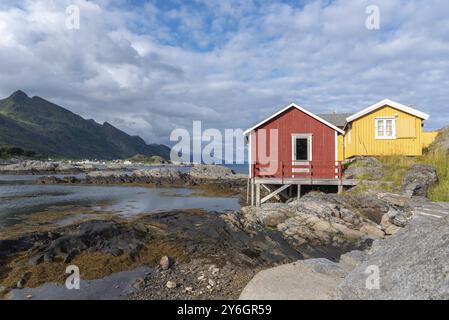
[(37, 259), (116, 252), (418, 180), (48, 257), (70, 256), (138, 283), (23, 280)]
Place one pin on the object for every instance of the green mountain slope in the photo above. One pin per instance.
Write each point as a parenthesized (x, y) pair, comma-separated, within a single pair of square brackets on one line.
[(46, 128)]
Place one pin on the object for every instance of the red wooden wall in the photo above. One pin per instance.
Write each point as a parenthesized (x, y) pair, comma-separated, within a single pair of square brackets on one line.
[(294, 121)]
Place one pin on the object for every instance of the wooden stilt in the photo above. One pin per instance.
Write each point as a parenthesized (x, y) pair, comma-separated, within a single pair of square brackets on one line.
[(247, 190), (299, 192), (340, 188), (252, 192), (258, 203)]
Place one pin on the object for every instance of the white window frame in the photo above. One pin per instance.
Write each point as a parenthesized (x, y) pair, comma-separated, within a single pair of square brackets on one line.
[(307, 136), (384, 136)]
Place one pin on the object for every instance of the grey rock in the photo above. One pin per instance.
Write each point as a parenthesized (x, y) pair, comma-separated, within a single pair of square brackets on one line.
[(203, 171), (368, 168), (412, 264), (308, 279), (353, 258), (418, 180)]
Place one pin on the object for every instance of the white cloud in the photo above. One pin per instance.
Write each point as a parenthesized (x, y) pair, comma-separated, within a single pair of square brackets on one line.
[(147, 69)]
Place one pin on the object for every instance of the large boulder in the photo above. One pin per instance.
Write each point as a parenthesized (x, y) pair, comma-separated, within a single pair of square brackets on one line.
[(312, 279), (411, 265), (418, 180)]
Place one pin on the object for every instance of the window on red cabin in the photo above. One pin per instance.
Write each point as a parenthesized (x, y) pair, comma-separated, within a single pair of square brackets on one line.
[(302, 149)]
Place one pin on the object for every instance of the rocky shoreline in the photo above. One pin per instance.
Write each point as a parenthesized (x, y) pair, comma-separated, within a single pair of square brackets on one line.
[(211, 255)]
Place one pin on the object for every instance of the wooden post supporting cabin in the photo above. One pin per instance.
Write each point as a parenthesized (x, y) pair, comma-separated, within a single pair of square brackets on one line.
[(299, 192), (252, 192), (258, 194), (248, 184), (340, 188)]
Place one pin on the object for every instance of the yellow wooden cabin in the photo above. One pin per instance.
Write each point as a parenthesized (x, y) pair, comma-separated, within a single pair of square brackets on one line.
[(386, 128)]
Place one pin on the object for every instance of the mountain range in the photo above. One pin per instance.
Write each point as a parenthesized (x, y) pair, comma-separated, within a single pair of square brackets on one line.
[(33, 123)]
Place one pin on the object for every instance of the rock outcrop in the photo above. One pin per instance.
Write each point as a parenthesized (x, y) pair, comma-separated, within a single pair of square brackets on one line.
[(363, 168), (44, 167), (329, 223), (411, 265), (418, 180)]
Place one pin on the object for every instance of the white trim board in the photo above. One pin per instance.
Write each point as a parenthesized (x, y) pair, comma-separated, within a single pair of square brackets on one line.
[(392, 104), (293, 105)]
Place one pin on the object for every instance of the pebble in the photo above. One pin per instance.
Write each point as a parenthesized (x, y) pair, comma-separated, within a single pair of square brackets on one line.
[(29, 296), (189, 289), (165, 263), (200, 278), (211, 282), (171, 284)]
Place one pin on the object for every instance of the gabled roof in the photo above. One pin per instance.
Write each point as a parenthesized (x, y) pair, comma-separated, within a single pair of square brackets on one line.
[(390, 103), (293, 105), (337, 119)]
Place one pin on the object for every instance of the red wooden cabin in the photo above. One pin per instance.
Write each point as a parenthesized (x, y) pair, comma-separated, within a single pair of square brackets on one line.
[(308, 147)]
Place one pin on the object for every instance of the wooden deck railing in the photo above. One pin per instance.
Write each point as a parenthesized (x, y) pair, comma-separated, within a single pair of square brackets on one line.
[(310, 170)]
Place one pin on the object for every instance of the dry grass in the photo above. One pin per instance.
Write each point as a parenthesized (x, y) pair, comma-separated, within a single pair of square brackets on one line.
[(440, 161), (395, 168)]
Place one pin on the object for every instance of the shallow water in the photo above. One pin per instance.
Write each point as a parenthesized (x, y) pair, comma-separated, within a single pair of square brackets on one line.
[(113, 287), (17, 200)]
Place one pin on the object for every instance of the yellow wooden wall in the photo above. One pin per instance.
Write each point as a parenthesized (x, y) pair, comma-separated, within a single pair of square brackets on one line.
[(341, 155), (428, 138), (409, 141)]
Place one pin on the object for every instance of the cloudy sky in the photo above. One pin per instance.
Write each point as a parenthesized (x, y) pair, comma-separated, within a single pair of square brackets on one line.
[(151, 66)]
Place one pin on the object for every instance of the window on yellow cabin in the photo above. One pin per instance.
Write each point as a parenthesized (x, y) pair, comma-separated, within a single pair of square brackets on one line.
[(385, 128)]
